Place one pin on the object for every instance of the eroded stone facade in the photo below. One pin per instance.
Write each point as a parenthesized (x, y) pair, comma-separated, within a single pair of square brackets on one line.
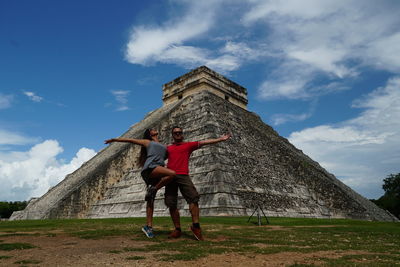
[(256, 167)]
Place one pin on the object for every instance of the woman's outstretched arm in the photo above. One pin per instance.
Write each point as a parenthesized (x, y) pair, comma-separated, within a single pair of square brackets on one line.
[(142, 142)]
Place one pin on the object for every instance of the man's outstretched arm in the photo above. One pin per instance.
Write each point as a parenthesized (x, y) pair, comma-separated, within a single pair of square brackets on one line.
[(214, 141)]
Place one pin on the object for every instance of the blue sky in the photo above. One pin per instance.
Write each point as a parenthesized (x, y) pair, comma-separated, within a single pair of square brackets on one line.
[(324, 74)]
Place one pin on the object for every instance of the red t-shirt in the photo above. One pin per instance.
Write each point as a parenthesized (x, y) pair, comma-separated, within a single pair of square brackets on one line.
[(178, 156)]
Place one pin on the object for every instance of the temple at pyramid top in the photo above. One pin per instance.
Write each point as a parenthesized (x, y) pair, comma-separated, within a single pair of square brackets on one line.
[(204, 79)]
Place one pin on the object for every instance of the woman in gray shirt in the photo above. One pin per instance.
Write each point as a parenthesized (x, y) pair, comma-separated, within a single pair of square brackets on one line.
[(155, 175)]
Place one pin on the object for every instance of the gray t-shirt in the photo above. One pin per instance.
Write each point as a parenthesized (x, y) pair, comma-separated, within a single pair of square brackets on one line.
[(156, 154)]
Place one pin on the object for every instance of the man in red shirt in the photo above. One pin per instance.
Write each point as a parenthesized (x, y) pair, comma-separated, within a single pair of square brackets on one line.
[(178, 160)]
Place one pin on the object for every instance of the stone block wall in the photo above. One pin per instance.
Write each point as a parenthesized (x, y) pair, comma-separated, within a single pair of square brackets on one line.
[(256, 167)]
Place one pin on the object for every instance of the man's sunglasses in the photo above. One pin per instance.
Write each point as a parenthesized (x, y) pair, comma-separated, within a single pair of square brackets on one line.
[(156, 134), (177, 133)]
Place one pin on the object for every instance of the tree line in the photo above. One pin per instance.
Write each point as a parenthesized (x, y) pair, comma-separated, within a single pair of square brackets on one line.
[(7, 208)]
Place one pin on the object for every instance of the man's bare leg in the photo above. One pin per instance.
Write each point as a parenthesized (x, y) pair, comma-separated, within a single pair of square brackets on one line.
[(175, 216), (195, 212)]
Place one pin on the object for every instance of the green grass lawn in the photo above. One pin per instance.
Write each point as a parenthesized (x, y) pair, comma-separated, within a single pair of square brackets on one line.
[(377, 243)]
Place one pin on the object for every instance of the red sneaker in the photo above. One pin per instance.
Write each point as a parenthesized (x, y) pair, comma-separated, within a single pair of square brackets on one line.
[(197, 233), (175, 234)]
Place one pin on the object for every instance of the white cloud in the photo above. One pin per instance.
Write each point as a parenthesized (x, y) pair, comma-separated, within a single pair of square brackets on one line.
[(121, 97), (345, 136), (293, 79), (243, 50), (188, 56), (278, 119), (333, 38), (385, 53), (382, 108), (322, 59), (5, 101), (364, 150), (289, 80), (168, 43), (191, 57), (328, 36), (149, 44), (224, 63), (13, 138), (306, 9), (302, 40), (32, 173), (32, 96)]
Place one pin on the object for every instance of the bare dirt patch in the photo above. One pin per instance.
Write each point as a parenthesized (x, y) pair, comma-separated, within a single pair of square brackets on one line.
[(65, 250), (277, 259)]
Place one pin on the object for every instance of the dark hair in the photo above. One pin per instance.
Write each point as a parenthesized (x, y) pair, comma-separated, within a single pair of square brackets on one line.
[(143, 150), (172, 130)]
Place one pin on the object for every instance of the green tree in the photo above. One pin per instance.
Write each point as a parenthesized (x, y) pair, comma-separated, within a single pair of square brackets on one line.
[(391, 185), (7, 208), (391, 199)]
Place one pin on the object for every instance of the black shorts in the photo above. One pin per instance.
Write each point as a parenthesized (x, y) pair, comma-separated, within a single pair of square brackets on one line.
[(146, 177)]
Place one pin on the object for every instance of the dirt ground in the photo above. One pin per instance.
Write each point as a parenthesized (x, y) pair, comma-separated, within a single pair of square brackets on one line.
[(63, 250)]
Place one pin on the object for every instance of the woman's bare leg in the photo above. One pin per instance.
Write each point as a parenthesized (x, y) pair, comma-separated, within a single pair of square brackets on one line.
[(149, 213), (166, 175)]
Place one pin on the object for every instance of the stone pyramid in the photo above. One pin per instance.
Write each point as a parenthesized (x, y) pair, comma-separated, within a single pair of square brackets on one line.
[(256, 167)]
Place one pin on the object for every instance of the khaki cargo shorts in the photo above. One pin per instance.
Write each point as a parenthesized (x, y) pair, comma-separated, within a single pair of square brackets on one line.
[(185, 185)]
